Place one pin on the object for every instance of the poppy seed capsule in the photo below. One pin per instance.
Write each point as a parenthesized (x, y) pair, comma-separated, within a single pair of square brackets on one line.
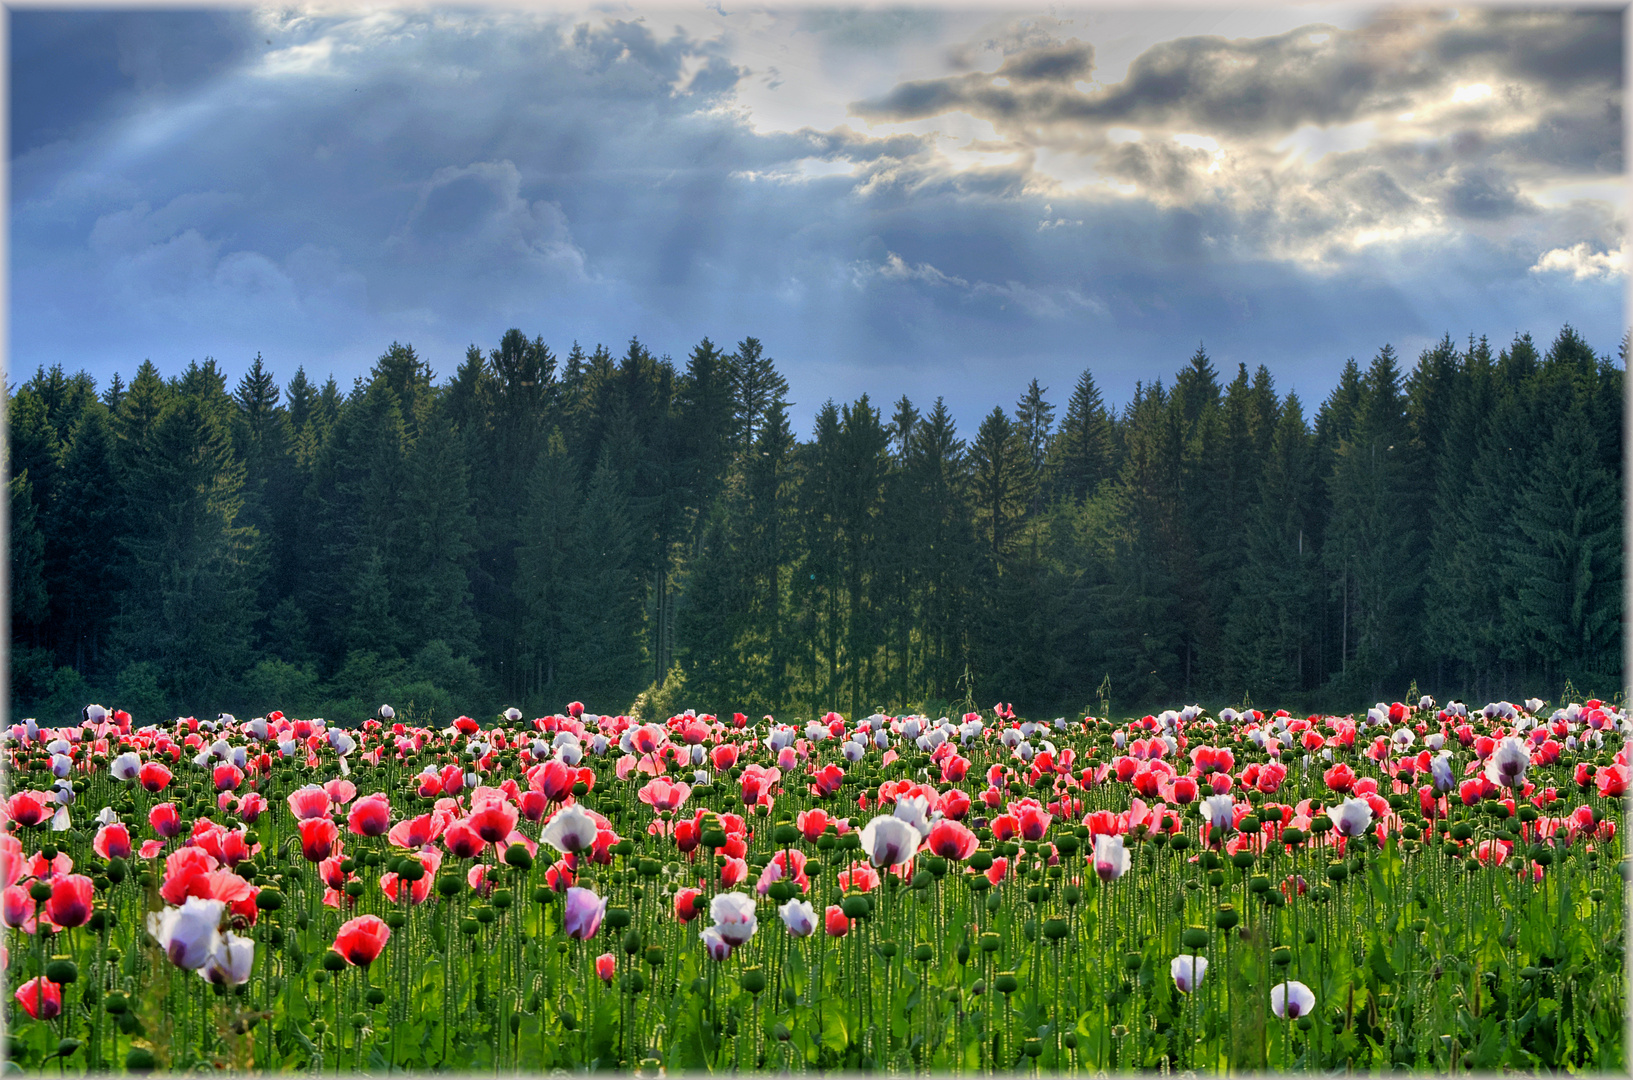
[(752, 980), (1005, 982), (1195, 937)]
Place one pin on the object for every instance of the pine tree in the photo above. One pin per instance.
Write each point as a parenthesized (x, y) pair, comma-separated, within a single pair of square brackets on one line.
[(604, 654), (191, 598), (941, 523), (1373, 543), (1270, 631), (435, 550), (544, 560), (84, 562), (1565, 557), (1001, 482), (1082, 452)]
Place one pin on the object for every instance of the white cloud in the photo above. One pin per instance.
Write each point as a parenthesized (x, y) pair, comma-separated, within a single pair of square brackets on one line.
[(1582, 262)]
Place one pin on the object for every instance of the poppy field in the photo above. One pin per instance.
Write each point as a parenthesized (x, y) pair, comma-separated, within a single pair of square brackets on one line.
[(1421, 886)]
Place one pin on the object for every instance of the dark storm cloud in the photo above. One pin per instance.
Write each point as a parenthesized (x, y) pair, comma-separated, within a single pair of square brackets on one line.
[(1483, 194), (1250, 85), (70, 68), (1315, 74), (438, 179), (1561, 50)]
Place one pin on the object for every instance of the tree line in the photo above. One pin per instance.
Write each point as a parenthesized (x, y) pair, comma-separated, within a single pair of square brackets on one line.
[(629, 530)]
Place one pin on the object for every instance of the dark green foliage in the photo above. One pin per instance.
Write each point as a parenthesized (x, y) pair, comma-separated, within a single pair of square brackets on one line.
[(608, 528)]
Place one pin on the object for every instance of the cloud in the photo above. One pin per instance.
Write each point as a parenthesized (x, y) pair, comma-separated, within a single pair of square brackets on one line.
[(1582, 262), (441, 177)]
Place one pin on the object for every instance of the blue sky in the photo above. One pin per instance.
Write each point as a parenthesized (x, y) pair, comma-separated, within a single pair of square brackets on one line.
[(929, 201)]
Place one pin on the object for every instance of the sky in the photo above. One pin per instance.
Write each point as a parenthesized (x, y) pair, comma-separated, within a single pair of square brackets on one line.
[(930, 201)]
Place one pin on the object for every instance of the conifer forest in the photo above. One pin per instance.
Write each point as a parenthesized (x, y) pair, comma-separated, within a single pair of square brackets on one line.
[(653, 535)]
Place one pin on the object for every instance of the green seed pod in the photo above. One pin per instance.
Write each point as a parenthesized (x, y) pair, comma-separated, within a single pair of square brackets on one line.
[(618, 917), (117, 869), (116, 1004), (354, 889), (1226, 918), (1195, 938), (1242, 860), (448, 885), (320, 977), (1069, 1040), (752, 979), (333, 961), (887, 949), (374, 996), (469, 927), (993, 900), (1005, 982), (1180, 842), (40, 892), (503, 898), (1032, 1047), (1338, 871), (1292, 836), (516, 855), (1216, 879), (963, 952), (1054, 929), (269, 899), (922, 952), (922, 879), (483, 913), (782, 891), (1281, 956), (1258, 883), (854, 905), (632, 982), (359, 1019), (654, 956), (396, 920), (140, 1060), (542, 894), (784, 834), (981, 860), (62, 970), (632, 941)]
